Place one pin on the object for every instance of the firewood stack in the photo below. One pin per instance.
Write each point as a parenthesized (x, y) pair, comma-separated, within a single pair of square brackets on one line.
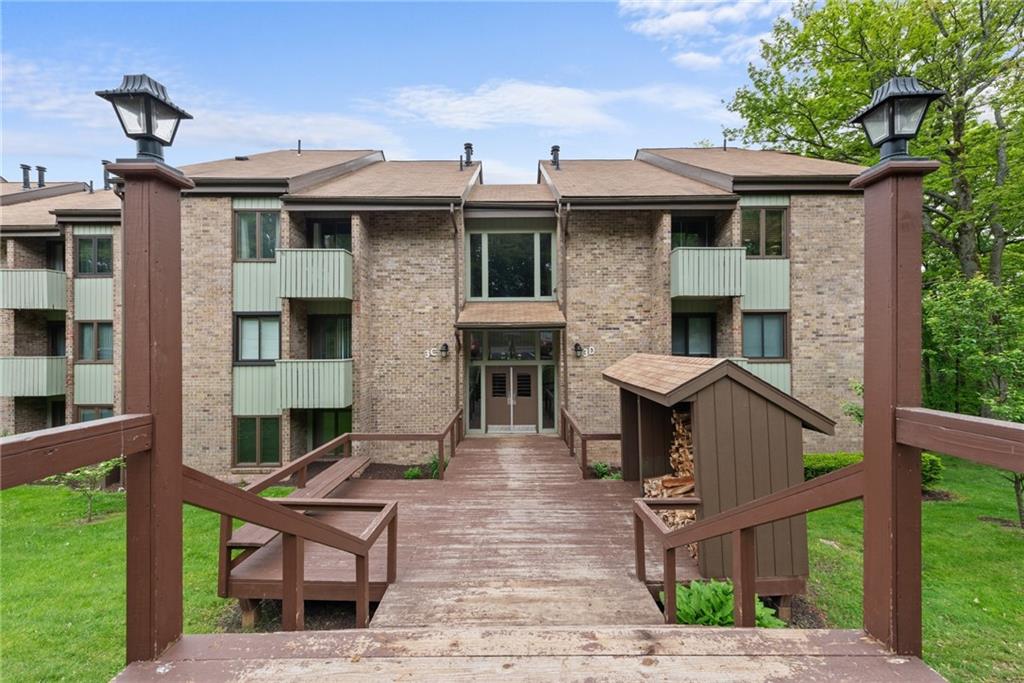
[(680, 482)]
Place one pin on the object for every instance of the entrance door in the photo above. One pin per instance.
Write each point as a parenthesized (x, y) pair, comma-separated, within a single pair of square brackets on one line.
[(512, 399)]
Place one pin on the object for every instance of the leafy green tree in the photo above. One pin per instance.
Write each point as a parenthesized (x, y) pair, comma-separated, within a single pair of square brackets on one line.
[(87, 481)]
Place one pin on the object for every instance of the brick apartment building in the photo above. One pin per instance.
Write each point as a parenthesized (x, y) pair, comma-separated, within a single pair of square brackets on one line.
[(334, 290)]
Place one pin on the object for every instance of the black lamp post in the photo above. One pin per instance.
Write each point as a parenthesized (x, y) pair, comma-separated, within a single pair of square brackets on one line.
[(895, 114), (146, 114)]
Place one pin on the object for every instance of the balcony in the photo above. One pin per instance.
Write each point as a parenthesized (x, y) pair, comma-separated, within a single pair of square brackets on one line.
[(32, 375), (314, 383), (315, 273), (707, 271), (33, 289)]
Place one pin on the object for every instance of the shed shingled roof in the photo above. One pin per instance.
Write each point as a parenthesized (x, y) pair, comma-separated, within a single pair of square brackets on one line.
[(670, 379)]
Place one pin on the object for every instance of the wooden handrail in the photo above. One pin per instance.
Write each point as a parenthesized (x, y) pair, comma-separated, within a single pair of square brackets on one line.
[(978, 439), (571, 429)]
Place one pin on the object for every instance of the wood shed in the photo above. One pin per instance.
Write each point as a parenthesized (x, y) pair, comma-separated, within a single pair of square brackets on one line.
[(746, 441)]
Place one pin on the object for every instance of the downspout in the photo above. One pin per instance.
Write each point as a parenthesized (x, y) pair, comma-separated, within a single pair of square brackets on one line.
[(564, 248), (458, 341)]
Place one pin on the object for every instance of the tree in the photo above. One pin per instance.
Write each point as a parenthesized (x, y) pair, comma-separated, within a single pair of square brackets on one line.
[(87, 481)]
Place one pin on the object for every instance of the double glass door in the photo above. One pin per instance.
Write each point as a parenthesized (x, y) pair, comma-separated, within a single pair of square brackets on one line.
[(512, 398)]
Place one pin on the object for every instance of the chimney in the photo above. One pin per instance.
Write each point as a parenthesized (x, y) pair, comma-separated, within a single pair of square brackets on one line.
[(555, 149), (469, 152), (26, 181), (42, 176), (106, 174)]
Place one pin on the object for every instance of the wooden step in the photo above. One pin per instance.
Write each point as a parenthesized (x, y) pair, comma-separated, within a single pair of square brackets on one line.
[(612, 653)]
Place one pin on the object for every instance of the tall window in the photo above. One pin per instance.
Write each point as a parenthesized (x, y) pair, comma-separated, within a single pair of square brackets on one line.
[(764, 335), (511, 265), (257, 338), (95, 256), (257, 441), (256, 234), (693, 334), (764, 232), (693, 231), (95, 342), (329, 233), (330, 336)]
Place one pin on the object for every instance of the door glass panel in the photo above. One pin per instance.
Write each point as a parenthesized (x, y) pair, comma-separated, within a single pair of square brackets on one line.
[(545, 264), (476, 345), (476, 267), (524, 384), (474, 397), (512, 346), (270, 441), (773, 229), (699, 336), (499, 385), (245, 440), (751, 231), (56, 338), (678, 335), (691, 231), (548, 396), (510, 261)]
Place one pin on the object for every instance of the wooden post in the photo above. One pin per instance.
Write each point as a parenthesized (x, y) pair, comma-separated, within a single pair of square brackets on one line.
[(362, 592), (393, 549), (300, 478), (151, 324), (744, 575), (583, 457), (248, 608), (892, 377), (224, 556), (293, 608), (670, 585), (440, 458), (639, 548), (346, 449)]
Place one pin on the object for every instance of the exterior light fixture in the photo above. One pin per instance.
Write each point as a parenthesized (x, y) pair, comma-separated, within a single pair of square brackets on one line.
[(578, 349), (146, 114), (895, 114), (444, 349)]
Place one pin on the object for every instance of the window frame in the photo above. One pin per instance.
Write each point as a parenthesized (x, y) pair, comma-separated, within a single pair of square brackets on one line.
[(762, 230), (259, 464), (237, 338), (99, 406), (313, 231), (96, 342), (712, 229), (95, 247), (713, 317), (485, 267), (786, 337), (236, 221)]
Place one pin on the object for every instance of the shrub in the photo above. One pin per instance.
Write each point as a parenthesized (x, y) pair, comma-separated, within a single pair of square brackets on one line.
[(817, 464), (709, 603), (931, 470), (603, 470), (435, 468), (87, 481), (413, 473)]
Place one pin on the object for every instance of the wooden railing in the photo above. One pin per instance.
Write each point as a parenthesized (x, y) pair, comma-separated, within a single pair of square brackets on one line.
[(571, 429)]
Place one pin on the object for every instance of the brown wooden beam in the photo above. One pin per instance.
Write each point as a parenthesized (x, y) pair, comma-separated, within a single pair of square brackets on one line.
[(744, 573), (990, 442), (292, 583)]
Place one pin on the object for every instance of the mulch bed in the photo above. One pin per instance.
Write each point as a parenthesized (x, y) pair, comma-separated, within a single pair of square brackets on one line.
[(320, 616), (1008, 523), (938, 495), (805, 614), (383, 470)]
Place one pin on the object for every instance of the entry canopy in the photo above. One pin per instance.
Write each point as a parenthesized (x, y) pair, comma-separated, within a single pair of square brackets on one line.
[(511, 314), (670, 379)]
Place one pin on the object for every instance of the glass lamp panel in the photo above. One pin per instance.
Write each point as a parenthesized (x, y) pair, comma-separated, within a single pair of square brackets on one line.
[(132, 113), (876, 124), (163, 122), (909, 112)]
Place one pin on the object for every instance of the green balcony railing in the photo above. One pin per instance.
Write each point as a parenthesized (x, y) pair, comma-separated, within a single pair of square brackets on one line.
[(315, 273), (315, 383), (33, 289), (707, 271), (32, 375)]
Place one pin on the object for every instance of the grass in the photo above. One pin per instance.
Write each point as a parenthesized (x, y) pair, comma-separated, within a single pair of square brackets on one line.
[(62, 583), (972, 582)]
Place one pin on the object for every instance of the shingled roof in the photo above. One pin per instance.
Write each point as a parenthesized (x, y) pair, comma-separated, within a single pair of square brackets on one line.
[(431, 182), (625, 180), (43, 214)]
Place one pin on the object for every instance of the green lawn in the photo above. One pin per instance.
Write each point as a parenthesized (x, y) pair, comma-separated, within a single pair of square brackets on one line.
[(62, 583), (973, 575)]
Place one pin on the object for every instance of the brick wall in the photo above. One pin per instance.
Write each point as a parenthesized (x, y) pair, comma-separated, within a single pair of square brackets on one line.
[(827, 309), (206, 226)]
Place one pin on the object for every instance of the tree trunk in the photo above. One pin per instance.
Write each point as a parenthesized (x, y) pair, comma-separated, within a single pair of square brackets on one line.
[(1018, 488)]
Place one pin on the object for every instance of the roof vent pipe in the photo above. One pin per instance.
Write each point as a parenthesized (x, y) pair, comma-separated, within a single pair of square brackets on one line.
[(299, 150), (460, 162), (555, 149), (90, 187), (106, 174), (26, 181), (469, 152), (42, 176)]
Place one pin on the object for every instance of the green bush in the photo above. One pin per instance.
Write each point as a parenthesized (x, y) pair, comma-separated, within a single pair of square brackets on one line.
[(817, 464), (435, 468), (603, 470), (709, 603), (413, 473)]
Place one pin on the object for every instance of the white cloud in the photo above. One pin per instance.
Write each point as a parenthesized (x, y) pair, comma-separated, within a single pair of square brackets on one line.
[(696, 60)]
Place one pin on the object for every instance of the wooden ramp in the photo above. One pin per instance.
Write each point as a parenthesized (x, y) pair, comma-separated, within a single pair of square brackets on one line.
[(675, 653)]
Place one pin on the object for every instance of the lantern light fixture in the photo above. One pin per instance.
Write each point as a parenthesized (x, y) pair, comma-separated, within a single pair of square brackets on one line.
[(895, 114), (146, 114), (578, 349), (444, 349)]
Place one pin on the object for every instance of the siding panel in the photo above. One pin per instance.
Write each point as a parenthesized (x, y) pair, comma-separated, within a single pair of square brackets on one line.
[(33, 289), (315, 383), (776, 374), (764, 200), (766, 285), (270, 203), (315, 273), (94, 298), (32, 375), (255, 287), (254, 390), (94, 384), (707, 271)]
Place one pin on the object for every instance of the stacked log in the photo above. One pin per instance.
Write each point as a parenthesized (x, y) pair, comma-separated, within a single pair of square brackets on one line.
[(680, 482)]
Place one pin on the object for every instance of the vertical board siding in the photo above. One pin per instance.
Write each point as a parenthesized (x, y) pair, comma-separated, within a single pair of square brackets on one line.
[(630, 445), (92, 230), (94, 298), (776, 374), (254, 390), (766, 285), (255, 287), (32, 375), (764, 200), (94, 384), (33, 289), (315, 273), (256, 203), (707, 271), (315, 383)]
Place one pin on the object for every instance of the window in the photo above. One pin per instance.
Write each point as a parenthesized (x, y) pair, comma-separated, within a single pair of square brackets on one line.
[(330, 336), (764, 335), (87, 413), (257, 338), (519, 345), (256, 235), (692, 231), (763, 232), (95, 342), (55, 254), (95, 256), (257, 441), (56, 338), (330, 424), (693, 334), (511, 265), (329, 234)]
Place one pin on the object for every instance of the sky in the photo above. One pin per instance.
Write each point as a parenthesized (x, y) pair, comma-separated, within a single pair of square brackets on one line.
[(415, 80)]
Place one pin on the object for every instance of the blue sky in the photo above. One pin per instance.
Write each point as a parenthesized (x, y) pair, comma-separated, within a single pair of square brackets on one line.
[(416, 80)]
